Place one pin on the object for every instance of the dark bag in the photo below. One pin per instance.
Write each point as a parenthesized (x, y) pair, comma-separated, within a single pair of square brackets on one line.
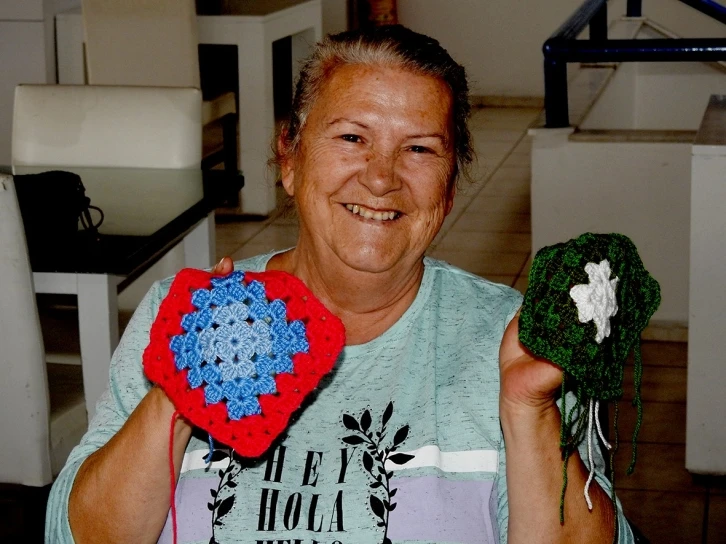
[(52, 204)]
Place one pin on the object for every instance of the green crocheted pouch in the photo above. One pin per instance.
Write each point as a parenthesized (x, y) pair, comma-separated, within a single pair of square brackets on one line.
[(587, 302), (550, 324)]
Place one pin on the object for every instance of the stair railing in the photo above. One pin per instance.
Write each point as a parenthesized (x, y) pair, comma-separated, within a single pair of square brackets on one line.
[(563, 47)]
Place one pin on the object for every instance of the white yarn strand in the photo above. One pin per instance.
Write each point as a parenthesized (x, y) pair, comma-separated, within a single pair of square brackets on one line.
[(599, 430), (589, 456)]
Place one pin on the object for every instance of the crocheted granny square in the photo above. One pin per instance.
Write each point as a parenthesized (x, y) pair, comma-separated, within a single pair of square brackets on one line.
[(238, 354)]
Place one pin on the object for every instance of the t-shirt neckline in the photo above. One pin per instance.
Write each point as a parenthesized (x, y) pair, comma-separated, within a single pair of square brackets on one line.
[(401, 324)]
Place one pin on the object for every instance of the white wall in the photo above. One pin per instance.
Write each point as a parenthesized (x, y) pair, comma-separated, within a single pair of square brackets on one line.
[(673, 96), (335, 16), (500, 41), (656, 96), (706, 395), (641, 190), (684, 20), (615, 108)]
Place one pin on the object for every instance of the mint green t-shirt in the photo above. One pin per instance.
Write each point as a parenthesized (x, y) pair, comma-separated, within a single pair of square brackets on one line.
[(401, 442)]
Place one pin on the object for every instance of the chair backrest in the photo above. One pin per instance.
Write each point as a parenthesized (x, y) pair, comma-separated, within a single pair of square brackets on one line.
[(24, 403), (141, 42), (90, 125)]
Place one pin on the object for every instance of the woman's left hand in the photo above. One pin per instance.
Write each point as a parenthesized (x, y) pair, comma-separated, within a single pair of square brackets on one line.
[(531, 426), (527, 381)]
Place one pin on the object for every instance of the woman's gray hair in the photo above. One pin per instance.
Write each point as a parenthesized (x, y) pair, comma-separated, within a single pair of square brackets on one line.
[(389, 46)]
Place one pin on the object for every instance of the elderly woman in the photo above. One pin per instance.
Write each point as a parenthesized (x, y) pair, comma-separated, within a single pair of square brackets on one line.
[(404, 441)]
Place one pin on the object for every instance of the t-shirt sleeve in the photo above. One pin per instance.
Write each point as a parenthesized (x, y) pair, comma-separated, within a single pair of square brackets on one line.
[(127, 386), (625, 535)]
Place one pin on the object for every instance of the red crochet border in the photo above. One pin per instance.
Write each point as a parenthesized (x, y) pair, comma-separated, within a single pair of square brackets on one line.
[(250, 436)]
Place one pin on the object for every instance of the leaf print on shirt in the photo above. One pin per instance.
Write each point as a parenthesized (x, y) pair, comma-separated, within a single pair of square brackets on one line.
[(221, 507), (374, 459)]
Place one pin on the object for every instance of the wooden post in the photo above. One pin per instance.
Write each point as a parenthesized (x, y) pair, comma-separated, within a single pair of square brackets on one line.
[(382, 12)]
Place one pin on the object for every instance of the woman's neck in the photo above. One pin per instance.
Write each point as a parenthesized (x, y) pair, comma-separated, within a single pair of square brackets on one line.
[(367, 303)]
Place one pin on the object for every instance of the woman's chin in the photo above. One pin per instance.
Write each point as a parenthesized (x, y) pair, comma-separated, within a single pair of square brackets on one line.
[(375, 260)]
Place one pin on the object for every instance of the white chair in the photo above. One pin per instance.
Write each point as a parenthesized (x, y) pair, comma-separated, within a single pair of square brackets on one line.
[(154, 43), (39, 425), (94, 125)]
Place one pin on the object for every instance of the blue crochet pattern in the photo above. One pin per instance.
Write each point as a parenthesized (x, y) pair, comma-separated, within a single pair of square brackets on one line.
[(236, 342)]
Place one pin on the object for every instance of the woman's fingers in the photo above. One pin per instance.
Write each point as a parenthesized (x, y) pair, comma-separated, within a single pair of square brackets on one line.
[(223, 267)]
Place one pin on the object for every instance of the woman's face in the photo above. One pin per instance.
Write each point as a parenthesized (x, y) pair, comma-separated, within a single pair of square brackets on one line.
[(372, 179)]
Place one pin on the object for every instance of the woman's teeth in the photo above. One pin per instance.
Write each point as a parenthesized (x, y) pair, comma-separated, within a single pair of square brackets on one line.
[(371, 214)]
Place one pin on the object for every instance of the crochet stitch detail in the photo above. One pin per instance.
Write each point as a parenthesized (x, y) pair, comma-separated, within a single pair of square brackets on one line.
[(596, 301), (235, 343), (238, 354)]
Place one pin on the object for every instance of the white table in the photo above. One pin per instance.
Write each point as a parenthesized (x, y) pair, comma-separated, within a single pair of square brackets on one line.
[(139, 211), (252, 31)]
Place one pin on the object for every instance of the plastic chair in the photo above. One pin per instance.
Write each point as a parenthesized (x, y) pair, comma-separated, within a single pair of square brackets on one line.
[(42, 414), (154, 43)]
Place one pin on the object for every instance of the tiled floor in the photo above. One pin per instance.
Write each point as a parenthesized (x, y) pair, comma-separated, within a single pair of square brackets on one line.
[(488, 233)]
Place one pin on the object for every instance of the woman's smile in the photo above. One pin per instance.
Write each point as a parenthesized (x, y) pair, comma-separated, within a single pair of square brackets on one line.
[(373, 214)]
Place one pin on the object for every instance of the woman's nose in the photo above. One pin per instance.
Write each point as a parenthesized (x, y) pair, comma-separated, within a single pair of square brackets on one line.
[(380, 173)]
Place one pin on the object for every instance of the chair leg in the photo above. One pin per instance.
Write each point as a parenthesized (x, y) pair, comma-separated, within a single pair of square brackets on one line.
[(24, 512), (229, 133)]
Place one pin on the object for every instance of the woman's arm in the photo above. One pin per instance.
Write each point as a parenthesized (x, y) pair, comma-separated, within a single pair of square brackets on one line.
[(531, 426), (129, 476), (116, 483)]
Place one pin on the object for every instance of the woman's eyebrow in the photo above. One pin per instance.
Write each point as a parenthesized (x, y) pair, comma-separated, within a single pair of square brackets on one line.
[(439, 136), (346, 120)]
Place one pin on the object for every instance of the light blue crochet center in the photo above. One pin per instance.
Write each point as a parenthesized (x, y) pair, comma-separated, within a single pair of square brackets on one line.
[(236, 342)]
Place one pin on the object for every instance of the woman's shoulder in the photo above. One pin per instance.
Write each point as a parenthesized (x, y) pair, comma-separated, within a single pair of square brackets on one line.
[(466, 287), (463, 297), (468, 307)]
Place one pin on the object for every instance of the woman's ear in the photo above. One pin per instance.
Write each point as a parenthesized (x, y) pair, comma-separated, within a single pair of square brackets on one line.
[(451, 193), (287, 163)]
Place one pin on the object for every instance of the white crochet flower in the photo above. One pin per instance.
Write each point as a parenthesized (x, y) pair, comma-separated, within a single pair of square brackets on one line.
[(596, 301)]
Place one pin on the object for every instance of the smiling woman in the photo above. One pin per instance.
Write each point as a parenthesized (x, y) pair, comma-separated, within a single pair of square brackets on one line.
[(377, 144), (404, 440)]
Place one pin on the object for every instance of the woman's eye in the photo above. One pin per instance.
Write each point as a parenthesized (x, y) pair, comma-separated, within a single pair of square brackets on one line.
[(352, 138), (420, 149)]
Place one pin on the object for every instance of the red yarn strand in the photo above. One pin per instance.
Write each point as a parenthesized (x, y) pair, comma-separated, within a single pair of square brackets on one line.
[(172, 475)]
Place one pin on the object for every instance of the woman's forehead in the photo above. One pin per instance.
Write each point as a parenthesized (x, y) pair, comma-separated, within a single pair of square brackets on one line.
[(364, 90), (354, 76)]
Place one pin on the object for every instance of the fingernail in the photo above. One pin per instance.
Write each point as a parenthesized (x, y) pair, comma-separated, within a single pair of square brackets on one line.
[(220, 262)]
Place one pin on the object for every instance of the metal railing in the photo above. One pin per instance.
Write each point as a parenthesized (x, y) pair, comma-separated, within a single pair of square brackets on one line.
[(563, 47), (713, 9)]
